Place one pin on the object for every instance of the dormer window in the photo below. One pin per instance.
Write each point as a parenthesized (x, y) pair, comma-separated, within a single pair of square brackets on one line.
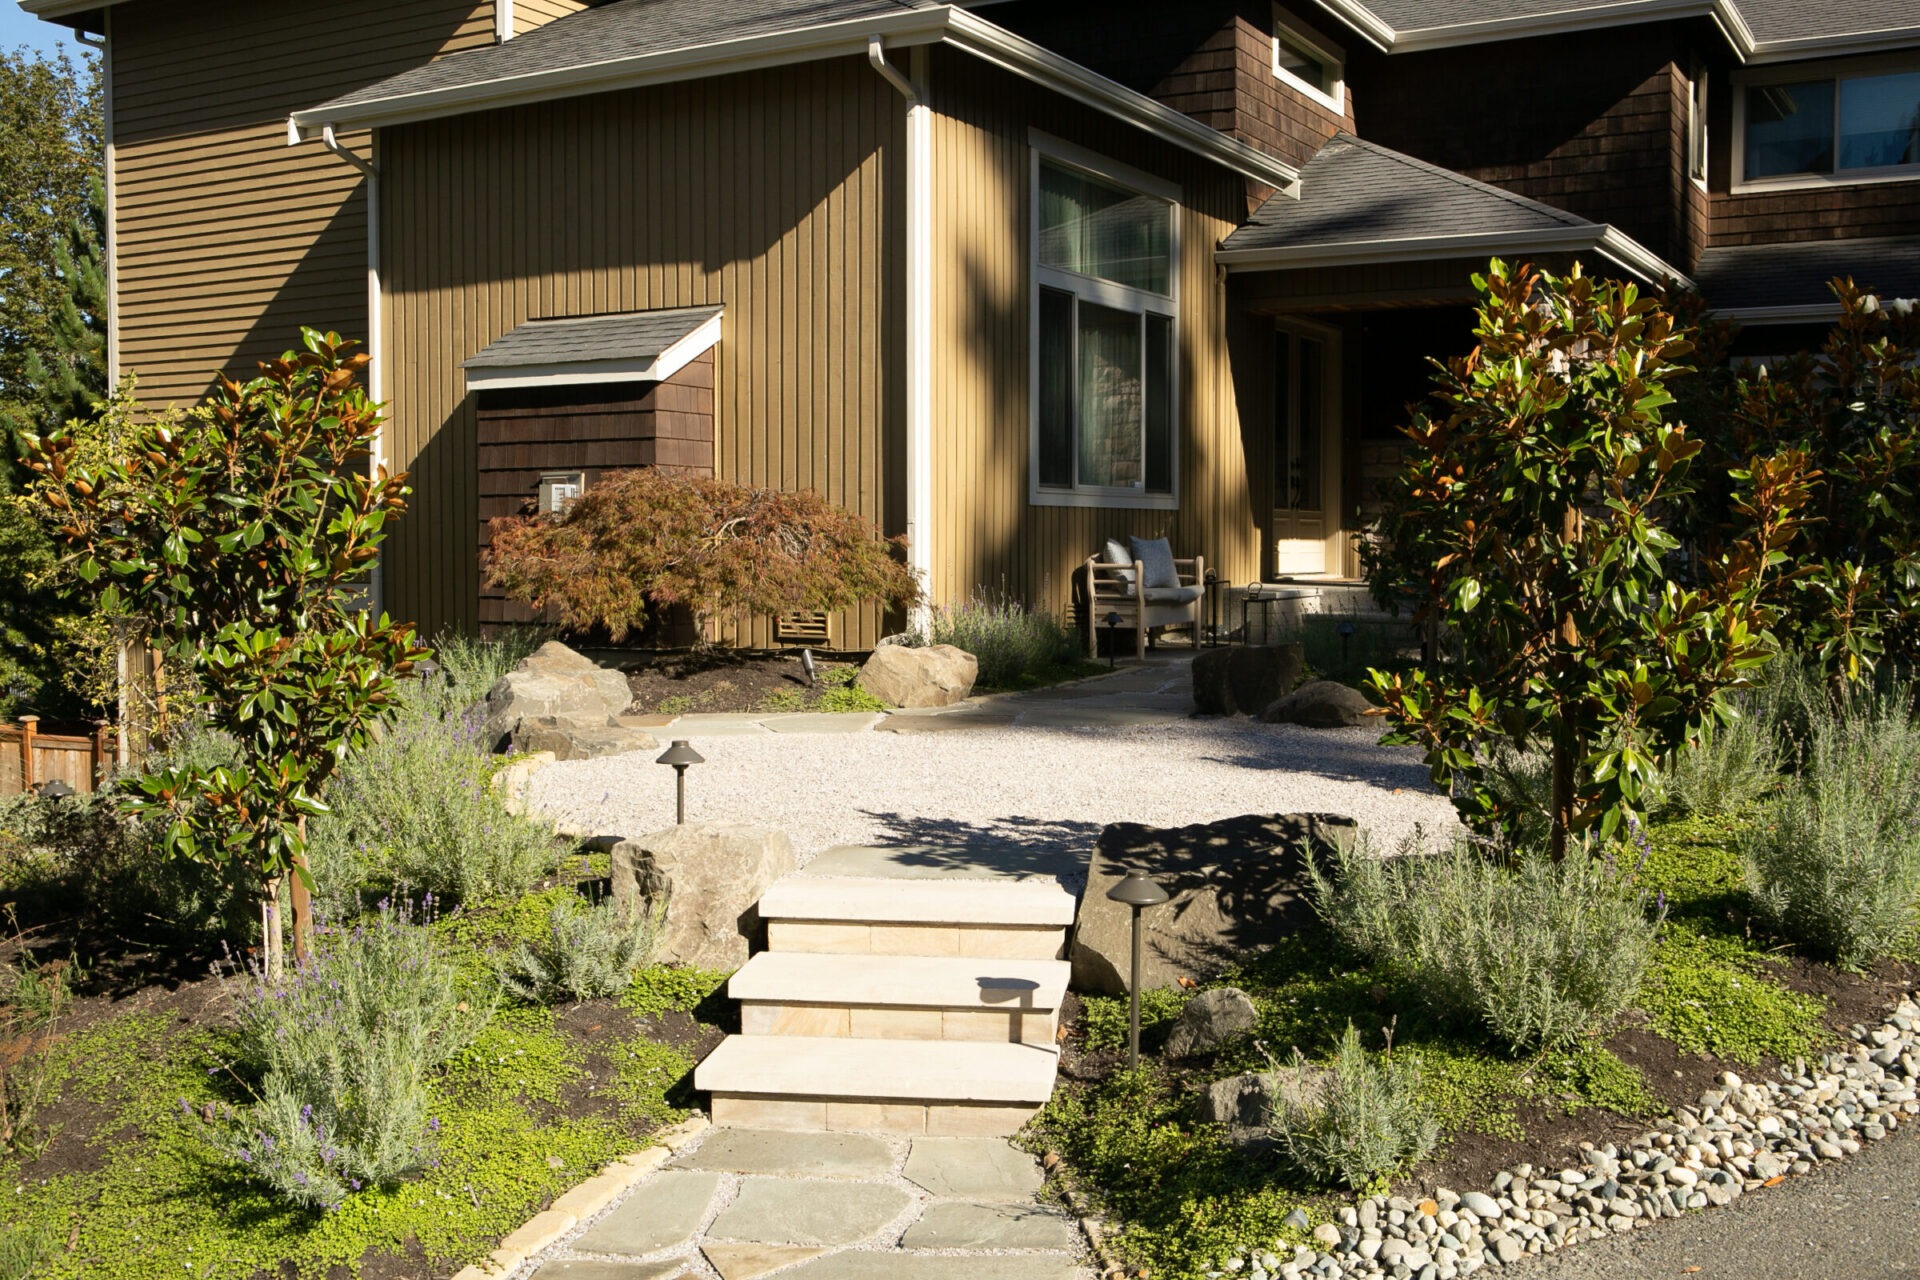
[(1308, 63), (1833, 127)]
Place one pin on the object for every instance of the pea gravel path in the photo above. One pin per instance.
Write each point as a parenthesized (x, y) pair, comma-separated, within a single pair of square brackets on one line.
[(1039, 771)]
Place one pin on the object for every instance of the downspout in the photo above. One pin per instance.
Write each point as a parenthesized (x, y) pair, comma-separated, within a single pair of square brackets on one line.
[(376, 346), (502, 21), (919, 317), (109, 199)]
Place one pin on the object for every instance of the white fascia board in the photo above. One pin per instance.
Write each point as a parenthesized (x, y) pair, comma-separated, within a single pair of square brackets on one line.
[(586, 372), (1799, 313), (1022, 57), (947, 24), (1839, 46), (724, 57), (1363, 21), (1605, 241)]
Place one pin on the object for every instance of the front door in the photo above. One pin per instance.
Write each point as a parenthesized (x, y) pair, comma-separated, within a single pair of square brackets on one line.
[(1306, 450)]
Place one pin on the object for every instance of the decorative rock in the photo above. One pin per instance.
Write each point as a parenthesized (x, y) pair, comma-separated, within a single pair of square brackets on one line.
[(1480, 1205), (1244, 679), (1296, 1219), (1234, 885), (902, 676), (711, 875), (1320, 704), (1327, 1235), (1212, 1020), (577, 737), (554, 681)]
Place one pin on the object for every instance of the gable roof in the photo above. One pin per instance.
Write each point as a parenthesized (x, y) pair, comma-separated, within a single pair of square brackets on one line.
[(629, 43), (1787, 283), (1758, 30), (1364, 203), (632, 346)]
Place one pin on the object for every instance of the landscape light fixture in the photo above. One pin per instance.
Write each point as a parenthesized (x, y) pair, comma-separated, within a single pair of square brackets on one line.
[(680, 755), (806, 665), (56, 790), (1139, 893), (1113, 639)]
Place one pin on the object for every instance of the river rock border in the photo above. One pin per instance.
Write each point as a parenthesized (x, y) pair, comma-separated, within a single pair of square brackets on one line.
[(1738, 1137)]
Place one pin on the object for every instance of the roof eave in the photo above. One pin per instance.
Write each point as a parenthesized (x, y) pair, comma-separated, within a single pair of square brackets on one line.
[(1608, 243), (1792, 313), (944, 24)]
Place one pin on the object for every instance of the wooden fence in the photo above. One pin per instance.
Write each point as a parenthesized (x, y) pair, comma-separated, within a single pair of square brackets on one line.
[(30, 759)]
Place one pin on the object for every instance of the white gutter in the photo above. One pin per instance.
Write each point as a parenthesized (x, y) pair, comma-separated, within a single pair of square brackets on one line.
[(919, 218), (1603, 240), (831, 40), (376, 343), (1797, 313)]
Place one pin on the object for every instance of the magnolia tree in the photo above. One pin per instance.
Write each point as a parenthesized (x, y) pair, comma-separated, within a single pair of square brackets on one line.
[(1526, 529), (1853, 408), (240, 538), (646, 539)]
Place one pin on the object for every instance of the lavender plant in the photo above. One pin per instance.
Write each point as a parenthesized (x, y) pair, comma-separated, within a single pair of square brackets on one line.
[(1358, 1119), (340, 1056), (587, 951), (1537, 954), (1835, 862)]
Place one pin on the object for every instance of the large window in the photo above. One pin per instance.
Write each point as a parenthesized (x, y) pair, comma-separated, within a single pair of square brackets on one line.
[(1832, 126), (1104, 351)]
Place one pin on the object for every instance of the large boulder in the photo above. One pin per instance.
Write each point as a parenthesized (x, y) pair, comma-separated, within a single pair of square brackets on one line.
[(1244, 678), (1234, 886), (1246, 1104), (903, 676), (554, 683), (1320, 704), (578, 737), (1211, 1021), (710, 876)]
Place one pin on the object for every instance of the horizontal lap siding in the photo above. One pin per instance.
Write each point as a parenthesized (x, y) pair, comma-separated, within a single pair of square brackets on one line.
[(987, 535), (766, 193), (528, 14), (228, 240)]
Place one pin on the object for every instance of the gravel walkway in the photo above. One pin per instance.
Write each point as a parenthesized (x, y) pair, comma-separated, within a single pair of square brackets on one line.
[(1020, 784)]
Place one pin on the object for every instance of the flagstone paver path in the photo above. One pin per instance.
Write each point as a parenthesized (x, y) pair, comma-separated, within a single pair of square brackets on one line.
[(740, 1204)]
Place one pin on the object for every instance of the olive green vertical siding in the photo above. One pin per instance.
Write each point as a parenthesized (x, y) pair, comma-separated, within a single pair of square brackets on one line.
[(227, 239), (770, 193), (987, 535)]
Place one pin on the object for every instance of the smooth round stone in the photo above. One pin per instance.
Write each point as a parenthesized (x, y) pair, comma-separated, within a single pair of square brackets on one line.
[(1480, 1205)]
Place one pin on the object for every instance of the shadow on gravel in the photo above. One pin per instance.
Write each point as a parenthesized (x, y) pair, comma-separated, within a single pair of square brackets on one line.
[(1337, 758), (1036, 847)]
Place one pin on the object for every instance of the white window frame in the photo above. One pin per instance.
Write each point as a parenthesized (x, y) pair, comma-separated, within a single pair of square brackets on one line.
[(551, 482), (1797, 73), (1044, 147), (1699, 132), (1331, 54)]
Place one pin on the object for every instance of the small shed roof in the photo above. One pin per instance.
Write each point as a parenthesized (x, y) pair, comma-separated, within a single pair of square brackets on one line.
[(632, 346), (1787, 283)]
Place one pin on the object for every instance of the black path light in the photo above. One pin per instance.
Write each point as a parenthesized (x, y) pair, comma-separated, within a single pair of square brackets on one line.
[(56, 790), (680, 755), (1113, 639), (1138, 892)]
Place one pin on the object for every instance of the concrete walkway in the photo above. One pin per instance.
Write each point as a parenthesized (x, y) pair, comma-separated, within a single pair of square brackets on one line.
[(739, 1204)]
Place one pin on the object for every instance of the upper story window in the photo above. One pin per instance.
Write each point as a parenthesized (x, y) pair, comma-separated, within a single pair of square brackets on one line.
[(1104, 317), (1697, 126), (1834, 126), (1308, 63), (559, 489)]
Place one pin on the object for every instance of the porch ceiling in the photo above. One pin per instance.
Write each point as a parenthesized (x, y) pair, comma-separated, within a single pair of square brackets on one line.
[(1362, 204)]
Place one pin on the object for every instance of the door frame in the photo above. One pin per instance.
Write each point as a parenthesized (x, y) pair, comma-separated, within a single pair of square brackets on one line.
[(1332, 439)]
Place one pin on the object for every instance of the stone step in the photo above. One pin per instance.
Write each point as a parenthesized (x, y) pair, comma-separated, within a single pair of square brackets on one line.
[(902, 998), (943, 1088), (851, 915)]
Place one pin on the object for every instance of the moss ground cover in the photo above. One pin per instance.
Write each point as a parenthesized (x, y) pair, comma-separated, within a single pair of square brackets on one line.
[(528, 1109), (1187, 1196)]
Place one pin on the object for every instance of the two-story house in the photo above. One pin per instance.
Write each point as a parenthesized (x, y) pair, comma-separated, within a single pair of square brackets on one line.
[(1007, 277)]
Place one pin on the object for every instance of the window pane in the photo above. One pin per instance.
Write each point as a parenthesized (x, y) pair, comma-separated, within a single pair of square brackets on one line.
[(1790, 128), (1110, 397), (1302, 63), (1098, 229), (1159, 373), (1310, 425), (1697, 126), (1880, 121), (1056, 388)]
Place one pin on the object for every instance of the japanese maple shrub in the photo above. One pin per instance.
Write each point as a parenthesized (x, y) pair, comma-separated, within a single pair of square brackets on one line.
[(1526, 529), (644, 539), (240, 537)]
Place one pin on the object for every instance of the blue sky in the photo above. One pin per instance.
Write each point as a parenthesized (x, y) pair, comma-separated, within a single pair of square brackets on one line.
[(18, 27)]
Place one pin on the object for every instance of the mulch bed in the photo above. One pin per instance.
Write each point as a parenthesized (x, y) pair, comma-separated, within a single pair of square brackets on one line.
[(720, 680)]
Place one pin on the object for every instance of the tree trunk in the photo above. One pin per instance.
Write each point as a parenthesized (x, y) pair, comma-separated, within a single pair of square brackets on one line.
[(302, 902), (1566, 749), (272, 958), (1565, 756)]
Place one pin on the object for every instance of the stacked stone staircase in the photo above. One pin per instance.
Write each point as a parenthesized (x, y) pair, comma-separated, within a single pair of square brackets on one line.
[(897, 1004)]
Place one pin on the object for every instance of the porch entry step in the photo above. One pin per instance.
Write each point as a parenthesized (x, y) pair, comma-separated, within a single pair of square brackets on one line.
[(940, 1087), (873, 900), (901, 998)]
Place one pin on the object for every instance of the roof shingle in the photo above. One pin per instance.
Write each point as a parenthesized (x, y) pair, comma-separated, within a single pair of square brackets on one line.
[(630, 336)]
